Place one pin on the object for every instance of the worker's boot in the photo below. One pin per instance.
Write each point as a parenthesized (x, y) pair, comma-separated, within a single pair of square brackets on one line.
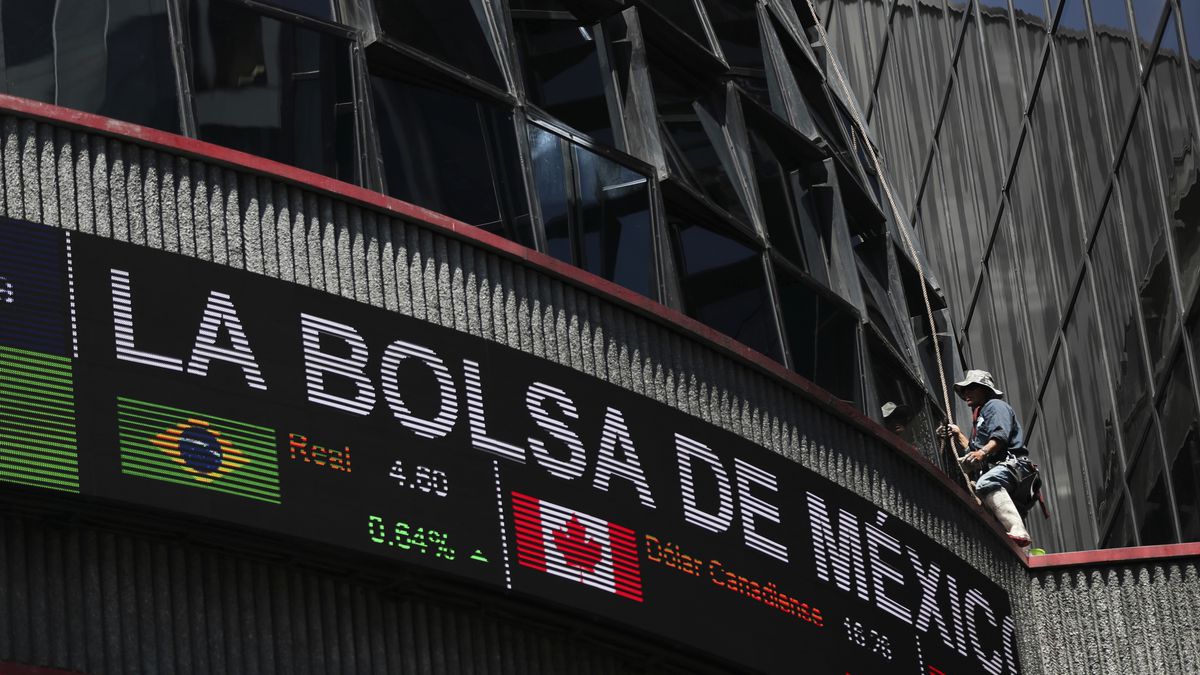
[(1006, 512)]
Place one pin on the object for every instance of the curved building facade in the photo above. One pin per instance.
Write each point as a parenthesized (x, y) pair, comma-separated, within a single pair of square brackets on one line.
[(488, 337), (1045, 156)]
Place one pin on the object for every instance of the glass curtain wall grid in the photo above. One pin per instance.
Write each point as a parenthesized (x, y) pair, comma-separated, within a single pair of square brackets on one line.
[(1051, 175), (697, 152)]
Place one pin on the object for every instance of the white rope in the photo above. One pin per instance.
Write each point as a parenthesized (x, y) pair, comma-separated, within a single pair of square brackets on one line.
[(891, 199), (900, 226)]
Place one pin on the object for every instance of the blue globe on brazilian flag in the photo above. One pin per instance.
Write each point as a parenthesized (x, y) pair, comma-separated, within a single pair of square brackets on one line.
[(191, 448)]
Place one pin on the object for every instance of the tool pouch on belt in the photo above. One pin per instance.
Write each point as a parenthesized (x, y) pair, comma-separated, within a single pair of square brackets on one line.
[(1025, 491)]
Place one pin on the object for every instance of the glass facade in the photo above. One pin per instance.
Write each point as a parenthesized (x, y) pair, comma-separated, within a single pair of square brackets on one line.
[(701, 153), (1059, 213)]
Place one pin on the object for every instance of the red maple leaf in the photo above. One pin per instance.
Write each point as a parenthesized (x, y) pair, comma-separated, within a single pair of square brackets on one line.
[(578, 549)]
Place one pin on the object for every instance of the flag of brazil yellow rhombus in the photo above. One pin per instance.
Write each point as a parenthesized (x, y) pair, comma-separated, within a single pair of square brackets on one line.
[(204, 451)]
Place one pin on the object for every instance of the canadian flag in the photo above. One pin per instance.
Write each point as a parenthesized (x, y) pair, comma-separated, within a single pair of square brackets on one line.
[(576, 546)]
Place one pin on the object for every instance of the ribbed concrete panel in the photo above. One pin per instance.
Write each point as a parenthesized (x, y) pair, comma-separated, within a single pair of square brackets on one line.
[(118, 189), (99, 601), (1136, 618)]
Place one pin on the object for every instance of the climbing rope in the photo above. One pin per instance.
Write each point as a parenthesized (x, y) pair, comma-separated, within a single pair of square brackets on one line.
[(860, 129)]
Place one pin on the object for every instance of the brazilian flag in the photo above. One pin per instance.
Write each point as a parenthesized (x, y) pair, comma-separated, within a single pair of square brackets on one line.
[(191, 448), (37, 420)]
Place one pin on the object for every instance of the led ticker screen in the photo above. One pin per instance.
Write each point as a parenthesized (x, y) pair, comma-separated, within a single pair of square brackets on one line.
[(157, 380)]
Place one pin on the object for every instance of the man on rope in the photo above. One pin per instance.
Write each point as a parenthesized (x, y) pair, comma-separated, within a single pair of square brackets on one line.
[(997, 449)]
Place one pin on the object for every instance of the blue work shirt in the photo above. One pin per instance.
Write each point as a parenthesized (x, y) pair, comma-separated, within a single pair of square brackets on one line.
[(996, 419)]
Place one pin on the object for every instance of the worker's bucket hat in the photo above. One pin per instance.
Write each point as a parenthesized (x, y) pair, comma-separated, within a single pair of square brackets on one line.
[(981, 377)]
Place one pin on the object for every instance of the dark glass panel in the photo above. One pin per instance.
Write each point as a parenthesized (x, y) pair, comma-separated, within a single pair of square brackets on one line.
[(1029, 22), (912, 83), (451, 154), (110, 58), (1085, 120), (955, 155), (1118, 64), (538, 5), (896, 134), (983, 333), (29, 39), (821, 337), (946, 347), (811, 223), (736, 26), (893, 384), (1063, 452), (1181, 436), (843, 229), (934, 30), (1064, 227), (1160, 314), (1121, 532), (1034, 257), (614, 222), (1184, 211), (1170, 101), (921, 431), (692, 136), (1146, 236), (551, 181), (1096, 420), (818, 107), (957, 266), (1011, 309), (1053, 534), (1115, 298), (1185, 475), (683, 14), (822, 8), (972, 86), (1148, 487), (871, 248), (562, 74), (1170, 111), (449, 30), (875, 18), (724, 285), (272, 88), (773, 194), (1004, 74), (322, 9), (848, 39), (756, 87)]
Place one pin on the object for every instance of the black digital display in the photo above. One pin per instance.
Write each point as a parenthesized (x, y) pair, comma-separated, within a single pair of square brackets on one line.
[(158, 380)]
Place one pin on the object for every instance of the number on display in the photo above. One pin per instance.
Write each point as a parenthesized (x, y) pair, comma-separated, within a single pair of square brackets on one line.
[(423, 478), (408, 538), (866, 638)]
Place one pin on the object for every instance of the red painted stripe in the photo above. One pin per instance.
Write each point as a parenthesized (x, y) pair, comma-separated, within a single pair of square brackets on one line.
[(1115, 555), (627, 572), (527, 523), (621, 296)]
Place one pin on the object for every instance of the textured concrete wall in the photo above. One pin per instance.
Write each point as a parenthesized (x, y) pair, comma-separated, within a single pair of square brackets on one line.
[(86, 182), (1129, 618), (97, 600)]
